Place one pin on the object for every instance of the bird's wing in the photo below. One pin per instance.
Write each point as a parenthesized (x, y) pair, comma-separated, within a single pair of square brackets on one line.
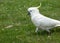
[(45, 21)]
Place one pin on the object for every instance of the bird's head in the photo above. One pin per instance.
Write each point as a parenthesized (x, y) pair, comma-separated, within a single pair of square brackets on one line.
[(32, 10)]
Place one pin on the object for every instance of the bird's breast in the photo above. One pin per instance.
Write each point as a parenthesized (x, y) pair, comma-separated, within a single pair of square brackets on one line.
[(35, 21)]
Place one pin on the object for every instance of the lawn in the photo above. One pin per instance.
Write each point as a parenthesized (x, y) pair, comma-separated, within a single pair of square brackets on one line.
[(14, 12)]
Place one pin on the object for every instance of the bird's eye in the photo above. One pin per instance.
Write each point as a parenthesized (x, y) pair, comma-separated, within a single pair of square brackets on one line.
[(30, 10)]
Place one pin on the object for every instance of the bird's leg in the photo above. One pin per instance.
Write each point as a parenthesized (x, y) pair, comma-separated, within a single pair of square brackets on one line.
[(49, 33), (36, 30)]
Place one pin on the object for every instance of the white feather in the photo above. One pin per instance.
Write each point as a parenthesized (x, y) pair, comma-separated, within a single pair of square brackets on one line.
[(41, 21)]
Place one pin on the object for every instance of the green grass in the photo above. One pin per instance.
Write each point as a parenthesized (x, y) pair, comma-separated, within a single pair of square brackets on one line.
[(15, 11)]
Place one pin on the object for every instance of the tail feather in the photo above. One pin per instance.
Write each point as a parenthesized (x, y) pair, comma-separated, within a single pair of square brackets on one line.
[(58, 25)]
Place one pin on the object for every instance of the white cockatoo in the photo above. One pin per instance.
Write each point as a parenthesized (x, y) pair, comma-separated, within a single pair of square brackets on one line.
[(41, 21)]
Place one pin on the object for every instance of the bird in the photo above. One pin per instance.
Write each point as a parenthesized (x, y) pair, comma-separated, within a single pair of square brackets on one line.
[(40, 21)]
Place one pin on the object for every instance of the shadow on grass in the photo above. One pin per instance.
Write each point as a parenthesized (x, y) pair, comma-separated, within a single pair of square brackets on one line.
[(43, 33), (57, 29)]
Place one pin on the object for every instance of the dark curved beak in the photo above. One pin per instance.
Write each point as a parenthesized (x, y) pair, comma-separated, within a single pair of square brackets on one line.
[(28, 13)]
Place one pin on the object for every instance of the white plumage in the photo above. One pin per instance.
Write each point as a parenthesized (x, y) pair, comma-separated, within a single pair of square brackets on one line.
[(41, 21)]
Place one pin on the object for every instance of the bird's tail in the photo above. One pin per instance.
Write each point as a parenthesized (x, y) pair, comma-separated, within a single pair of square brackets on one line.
[(58, 24)]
